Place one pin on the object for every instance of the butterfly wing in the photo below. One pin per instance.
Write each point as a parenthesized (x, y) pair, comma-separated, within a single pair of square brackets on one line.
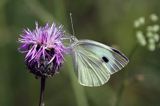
[(95, 62)]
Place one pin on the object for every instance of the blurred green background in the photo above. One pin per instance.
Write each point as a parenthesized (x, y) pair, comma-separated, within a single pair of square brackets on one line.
[(106, 21)]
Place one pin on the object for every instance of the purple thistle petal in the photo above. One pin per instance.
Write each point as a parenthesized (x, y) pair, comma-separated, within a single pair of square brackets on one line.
[(43, 49)]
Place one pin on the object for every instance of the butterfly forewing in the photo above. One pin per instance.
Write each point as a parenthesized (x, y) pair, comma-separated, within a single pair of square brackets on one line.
[(94, 62)]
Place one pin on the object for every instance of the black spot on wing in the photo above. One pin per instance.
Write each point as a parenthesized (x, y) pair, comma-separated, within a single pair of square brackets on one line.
[(105, 59), (118, 52)]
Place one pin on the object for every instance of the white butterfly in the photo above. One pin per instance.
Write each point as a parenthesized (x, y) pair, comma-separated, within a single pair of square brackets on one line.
[(94, 62)]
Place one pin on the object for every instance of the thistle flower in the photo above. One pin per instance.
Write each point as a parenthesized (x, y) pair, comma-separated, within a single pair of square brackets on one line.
[(43, 49)]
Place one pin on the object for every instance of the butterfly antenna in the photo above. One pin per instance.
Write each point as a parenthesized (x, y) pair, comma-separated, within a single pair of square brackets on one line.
[(73, 33)]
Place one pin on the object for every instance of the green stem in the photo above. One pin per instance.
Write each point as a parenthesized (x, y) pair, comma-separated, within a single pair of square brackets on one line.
[(123, 84), (78, 89), (41, 101)]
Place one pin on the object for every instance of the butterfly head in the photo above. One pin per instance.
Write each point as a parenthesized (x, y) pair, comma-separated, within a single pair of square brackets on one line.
[(73, 39)]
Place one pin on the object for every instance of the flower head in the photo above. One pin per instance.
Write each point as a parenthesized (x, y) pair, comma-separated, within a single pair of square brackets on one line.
[(43, 49)]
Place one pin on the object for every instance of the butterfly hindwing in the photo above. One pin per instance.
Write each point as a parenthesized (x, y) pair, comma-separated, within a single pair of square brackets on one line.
[(95, 62), (89, 69)]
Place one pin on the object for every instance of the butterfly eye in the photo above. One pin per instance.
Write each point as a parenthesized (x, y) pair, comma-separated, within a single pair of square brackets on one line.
[(105, 59)]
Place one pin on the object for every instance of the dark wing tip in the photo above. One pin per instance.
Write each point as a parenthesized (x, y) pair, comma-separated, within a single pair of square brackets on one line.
[(118, 52)]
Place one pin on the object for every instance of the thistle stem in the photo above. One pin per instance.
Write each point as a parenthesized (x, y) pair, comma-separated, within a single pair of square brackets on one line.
[(41, 100)]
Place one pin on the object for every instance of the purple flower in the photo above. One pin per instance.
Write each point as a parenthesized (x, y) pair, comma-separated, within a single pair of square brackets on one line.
[(43, 49)]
